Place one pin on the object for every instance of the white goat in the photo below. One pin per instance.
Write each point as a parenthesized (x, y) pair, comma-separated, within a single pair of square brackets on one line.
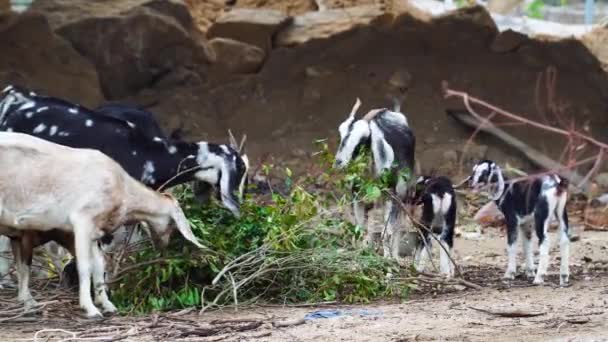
[(45, 186)]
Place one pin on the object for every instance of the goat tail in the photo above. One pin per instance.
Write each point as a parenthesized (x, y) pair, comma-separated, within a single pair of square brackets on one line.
[(396, 105)]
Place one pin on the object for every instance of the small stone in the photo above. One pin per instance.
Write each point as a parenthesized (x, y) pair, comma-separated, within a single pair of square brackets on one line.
[(450, 156)]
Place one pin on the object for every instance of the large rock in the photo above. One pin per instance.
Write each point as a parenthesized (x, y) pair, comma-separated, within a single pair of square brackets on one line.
[(324, 24), (133, 43), (5, 6), (34, 57), (237, 57), (256, 27)]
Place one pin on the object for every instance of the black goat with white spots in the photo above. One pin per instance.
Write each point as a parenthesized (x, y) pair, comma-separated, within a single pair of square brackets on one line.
[(138, 146), (438, 200), (392, 143), (527, 204), (133, 138)]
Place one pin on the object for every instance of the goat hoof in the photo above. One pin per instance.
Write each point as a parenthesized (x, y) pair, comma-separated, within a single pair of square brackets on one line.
[(564, 280), (530, 274), (94, 315), (509, 275), (538, 280), (30, 303), (109, 308)]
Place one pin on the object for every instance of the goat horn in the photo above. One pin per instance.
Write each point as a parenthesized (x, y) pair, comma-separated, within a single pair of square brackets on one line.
[(242, 142), (232, 139), (355, 107)]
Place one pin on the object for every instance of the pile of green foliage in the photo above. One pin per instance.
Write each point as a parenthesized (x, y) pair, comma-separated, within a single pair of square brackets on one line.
[(296, 247)]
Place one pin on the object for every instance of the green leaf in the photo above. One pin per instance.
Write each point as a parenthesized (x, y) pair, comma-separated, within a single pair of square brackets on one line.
[(372, 193)]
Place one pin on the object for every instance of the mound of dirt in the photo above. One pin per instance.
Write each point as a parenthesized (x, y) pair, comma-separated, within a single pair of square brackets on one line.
[(306, 87), (314, 64), (133, 44), (34, 57)]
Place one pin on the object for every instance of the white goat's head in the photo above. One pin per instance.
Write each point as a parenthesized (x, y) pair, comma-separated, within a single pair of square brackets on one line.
[(352, 134), (162, 227)]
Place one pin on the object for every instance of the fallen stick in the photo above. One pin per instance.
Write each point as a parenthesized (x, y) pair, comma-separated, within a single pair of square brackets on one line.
[(533, 155), (512, 313), (288, 323)]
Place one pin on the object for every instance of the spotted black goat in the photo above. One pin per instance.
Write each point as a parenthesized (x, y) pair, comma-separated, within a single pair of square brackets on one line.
[(524, 203), (438, 200), (393, 145)]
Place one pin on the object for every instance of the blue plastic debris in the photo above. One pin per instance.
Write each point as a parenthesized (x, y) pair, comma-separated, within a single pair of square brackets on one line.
[(322, 314), (337, 313)]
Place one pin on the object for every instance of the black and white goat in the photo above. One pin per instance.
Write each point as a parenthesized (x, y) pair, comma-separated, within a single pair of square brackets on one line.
[(438, 200), (136, 145), (132, 137), (526, 203), (393, 145)]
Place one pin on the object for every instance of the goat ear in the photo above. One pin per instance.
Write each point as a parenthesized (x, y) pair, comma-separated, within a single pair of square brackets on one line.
[(384, 156), (183, 225)]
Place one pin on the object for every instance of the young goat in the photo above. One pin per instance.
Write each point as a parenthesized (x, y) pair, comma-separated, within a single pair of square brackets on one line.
[(81, 192), (438, 200), (523, 203), (392, 144)]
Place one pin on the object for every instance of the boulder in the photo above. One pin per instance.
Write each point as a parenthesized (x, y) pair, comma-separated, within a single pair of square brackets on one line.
[(237, 57), (508, 41), (133, 44), (252, 26), (5, 6), (43, 61), (324, 24)]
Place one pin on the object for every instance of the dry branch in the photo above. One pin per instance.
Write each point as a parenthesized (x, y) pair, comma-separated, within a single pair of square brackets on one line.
[(533, 155), (510, 312)]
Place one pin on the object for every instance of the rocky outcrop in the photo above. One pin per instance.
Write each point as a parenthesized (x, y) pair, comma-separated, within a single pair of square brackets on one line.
[(254, 27), (5, 6), (237, 57), (133, 44), (34, 57), (324, 24)]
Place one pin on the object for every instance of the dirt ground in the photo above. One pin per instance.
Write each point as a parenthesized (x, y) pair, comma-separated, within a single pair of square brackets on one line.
[(575, 313)]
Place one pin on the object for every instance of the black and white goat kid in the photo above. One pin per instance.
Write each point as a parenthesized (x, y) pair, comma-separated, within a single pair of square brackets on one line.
[(393, 145), (526, 203), (438, 200)]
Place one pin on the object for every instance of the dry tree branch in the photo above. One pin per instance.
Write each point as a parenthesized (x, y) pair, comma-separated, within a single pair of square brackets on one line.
[(577, 141)]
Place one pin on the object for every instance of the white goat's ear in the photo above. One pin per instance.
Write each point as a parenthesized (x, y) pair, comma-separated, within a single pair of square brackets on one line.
[(183, 225)]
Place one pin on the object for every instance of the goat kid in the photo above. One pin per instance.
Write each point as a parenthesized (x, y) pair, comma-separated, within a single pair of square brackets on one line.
[(526, 203), (438, 200), (77, 191), (392, 144)]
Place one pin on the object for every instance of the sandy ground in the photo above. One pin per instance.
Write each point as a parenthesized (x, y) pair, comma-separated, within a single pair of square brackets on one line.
[(575, 313)]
